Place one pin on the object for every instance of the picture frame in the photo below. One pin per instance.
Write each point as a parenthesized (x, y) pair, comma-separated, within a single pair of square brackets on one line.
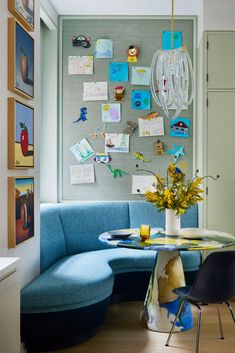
[(20, 209), (20, 134), (23, 10), (20, 60)]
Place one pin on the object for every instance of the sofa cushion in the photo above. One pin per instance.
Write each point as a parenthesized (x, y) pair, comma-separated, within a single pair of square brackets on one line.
[(52, 243), (83, 223)]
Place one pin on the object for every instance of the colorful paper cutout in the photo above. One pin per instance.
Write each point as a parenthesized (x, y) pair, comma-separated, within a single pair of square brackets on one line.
[(167, 40), (131, 126), (140, 75), (81, 40), (141, 100), (116, 172), (151, 127), (177, 151), (119, 93), (118, 71), (179, 127), (99, 132), (159, 148), (132, 54), (82, 174), (82, 116), (95, 91), (80, 65), (111, 113), (140, 157), (82, 150), (102, 158), (104, 49), (116, 143)]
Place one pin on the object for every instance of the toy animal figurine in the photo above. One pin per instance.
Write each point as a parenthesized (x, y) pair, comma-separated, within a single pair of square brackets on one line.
[(132, 54), (83, 115), (140, 157), (159, 148), (84, 42), (116, 172), (131, 126), (119, 93)]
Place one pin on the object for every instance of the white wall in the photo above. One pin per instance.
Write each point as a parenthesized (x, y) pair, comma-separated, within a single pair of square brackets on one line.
[(49, 12), (28, 251), (218, 15)]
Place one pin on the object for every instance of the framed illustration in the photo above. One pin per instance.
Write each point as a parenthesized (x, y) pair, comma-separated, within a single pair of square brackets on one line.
[(23, 10), (20, 60), (20, 135), (20, 210)]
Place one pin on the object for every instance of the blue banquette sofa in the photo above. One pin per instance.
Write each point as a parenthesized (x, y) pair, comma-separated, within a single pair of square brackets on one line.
[(80, 276)]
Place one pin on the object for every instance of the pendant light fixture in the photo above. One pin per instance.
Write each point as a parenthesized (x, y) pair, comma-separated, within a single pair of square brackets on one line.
[(172, 81)]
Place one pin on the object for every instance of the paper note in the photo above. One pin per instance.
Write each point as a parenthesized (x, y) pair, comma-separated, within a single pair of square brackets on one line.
[(117, 143), (80, 65), (95, 91), (118, 71), (140, 75), (141, 100), (179, 127), (143, 183), (103, 49), (82, 174), (82, 150), (151, 127), (111, 113)]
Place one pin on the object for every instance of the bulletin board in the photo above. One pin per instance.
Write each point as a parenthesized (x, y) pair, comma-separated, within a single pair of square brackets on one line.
[(146, 34)]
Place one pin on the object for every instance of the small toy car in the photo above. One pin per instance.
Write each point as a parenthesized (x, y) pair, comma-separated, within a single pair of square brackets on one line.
[(82, 41)]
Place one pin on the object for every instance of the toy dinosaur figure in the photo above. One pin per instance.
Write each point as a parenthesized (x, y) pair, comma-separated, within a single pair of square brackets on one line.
[(140, 157), (116, 172), (83, 115)]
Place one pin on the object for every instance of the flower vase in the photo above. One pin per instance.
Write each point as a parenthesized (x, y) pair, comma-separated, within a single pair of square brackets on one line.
[(172, 223)]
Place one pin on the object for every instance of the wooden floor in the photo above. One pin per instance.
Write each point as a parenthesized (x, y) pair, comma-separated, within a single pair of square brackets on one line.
[(122, 333)]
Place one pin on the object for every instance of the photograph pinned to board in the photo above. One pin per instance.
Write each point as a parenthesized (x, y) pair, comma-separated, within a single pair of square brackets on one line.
[(82, 174), (23, 10), (141, 100), (140, 75), (118, 71), (111, 113), (80, 65), (116, 143), (82, 150), (103, 49), (167, 40), (95, 91), (142, 183), (151, 127), (179, 127)]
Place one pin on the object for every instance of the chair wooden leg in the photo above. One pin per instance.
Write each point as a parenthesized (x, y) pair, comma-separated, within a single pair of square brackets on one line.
[(220, 323), (173, 325), (231, 310)]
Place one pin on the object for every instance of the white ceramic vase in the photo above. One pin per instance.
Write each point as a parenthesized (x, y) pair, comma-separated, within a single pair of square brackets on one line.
[(172, 223)]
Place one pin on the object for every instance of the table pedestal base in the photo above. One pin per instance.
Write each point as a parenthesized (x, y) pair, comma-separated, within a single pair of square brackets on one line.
[(161, 304)]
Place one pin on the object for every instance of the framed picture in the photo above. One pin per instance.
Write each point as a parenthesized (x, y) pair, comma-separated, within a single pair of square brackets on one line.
[(20, 210), (20, 60), (20, 135), (23, 10)]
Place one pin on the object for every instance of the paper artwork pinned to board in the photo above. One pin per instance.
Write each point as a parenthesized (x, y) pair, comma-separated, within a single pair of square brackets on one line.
[(102, 158), (179, 127), (159, 148), (141, 157), (142, 183), (82, 174), (141, 100), (104, 49), (151, 127), (99, 132), (111, 113), (118, 71), (95, 91), (177, 151), (167, 40), (82, 115), (80, 65), (116, 143), (82, 150), (119, 93), (140, 75), (81, 40), (132, 54), (116, 172)]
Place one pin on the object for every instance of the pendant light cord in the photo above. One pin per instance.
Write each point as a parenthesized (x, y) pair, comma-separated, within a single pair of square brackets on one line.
[(172, 25)]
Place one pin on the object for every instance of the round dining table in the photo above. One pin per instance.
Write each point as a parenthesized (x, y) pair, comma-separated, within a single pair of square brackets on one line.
[(161, 304)]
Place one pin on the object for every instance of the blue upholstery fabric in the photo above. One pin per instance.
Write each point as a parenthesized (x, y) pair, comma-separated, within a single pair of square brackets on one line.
[(142, 212), (84, 222), (52, 243)]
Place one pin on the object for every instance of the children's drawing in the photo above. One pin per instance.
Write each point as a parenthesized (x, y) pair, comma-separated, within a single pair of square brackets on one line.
[(117, 143), (177, 151), (119, 93), (140, 157), (141, 100), (143, 183), (140, 75), (111, 113), (151, 127), (82, 150), (132, 54), (82, 174), (118, 71), (102, 158), (104, 49), (82, 116), (95, 91), (116, 172), (167, 40), (80, 65), (179, 127)]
